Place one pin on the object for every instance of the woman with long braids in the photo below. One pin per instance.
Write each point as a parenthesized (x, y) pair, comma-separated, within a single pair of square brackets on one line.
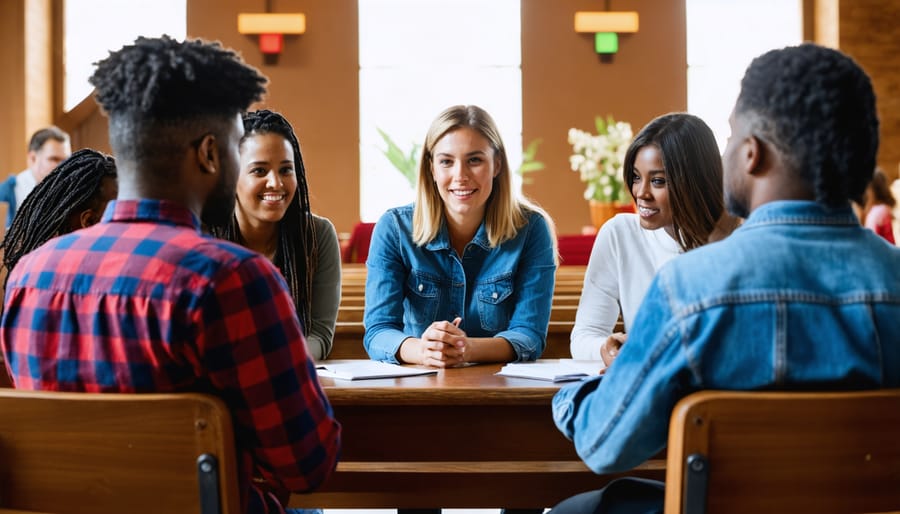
[(71, 197), (272, 216)]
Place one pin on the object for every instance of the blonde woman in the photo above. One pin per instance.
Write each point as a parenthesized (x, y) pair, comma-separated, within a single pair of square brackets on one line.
[(466, 273)]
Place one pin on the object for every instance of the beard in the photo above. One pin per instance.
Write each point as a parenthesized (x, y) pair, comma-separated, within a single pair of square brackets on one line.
[(219, 206), (735, 206)]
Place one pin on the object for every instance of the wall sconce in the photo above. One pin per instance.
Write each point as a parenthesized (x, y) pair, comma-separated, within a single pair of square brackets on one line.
[(606, 27), (271, 28)]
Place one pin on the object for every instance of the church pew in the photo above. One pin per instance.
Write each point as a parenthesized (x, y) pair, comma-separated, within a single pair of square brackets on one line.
[(354, 313), (560, 299), (569, 280)]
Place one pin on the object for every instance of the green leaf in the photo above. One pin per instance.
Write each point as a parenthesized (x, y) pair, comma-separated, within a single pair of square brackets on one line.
[(406, 164), (528, 167), (529, 164), (531, 150)]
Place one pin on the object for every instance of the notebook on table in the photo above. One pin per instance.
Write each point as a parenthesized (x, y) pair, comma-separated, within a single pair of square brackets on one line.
[(553, 370), (364, 369)]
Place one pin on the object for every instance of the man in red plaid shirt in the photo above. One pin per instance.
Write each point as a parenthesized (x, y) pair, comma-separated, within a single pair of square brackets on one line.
[(144, 302)]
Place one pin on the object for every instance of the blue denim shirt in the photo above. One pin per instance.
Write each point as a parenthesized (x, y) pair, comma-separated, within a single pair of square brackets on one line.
[(503, 292), (799, 297)]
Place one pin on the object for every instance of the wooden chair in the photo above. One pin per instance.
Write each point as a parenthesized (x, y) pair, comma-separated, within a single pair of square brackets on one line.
[(774, 452), (73, 453)]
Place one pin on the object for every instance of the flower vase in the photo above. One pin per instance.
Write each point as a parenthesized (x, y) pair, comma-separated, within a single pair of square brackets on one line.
[(603, 211)]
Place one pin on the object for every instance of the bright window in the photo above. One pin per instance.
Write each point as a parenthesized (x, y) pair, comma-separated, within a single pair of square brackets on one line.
[(722, 39), (418, 57), (93, 28)]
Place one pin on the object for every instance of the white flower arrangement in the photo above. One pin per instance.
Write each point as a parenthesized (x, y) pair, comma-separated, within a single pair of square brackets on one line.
[(599, 159)]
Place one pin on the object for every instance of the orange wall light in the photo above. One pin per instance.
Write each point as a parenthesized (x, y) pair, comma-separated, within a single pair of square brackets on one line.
[(625, 21), (606, 27), (271, 28)]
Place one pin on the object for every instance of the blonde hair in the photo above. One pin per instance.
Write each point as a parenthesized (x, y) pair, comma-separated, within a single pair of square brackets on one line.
[(505, 213)]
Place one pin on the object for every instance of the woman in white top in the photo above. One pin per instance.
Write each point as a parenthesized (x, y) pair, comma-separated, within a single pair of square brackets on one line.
[(674, 171)]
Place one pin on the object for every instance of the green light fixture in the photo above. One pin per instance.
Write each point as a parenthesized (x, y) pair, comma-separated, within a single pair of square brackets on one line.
[(606, 27), (606, 42)]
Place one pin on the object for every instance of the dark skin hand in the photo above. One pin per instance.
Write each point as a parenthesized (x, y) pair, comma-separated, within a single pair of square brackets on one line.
[(610, 349)]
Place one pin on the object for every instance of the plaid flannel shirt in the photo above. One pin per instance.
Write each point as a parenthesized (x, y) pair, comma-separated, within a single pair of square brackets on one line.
[(144, 302)]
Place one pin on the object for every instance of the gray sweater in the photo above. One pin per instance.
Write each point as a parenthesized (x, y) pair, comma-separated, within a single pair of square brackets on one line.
[(326, 291)]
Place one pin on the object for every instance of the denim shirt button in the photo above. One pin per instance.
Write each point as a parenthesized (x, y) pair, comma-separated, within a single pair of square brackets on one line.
[(421, 287), (495, 295)]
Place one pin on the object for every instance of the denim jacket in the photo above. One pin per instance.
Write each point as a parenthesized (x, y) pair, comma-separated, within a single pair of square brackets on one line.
[(8, 195), (799, 297), (503, 292)]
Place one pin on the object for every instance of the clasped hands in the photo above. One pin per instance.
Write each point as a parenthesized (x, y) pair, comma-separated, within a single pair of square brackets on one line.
[(442, 345)]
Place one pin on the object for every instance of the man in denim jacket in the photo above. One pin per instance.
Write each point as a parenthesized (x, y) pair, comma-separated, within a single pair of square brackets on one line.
[(799, 297)]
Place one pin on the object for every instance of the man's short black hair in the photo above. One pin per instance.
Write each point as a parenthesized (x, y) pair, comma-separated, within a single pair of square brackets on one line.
[(156, 86), (817, 107)]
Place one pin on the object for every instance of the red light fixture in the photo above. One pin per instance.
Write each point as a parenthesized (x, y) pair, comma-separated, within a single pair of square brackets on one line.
[(271, 43), (271, 28)]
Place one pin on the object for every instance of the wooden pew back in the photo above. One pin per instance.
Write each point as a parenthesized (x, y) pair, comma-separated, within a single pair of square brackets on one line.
[(74, 453), (784, 452)]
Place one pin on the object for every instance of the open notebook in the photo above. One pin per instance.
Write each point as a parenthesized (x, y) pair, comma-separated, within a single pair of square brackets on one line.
[(363, 369), (553, 370)]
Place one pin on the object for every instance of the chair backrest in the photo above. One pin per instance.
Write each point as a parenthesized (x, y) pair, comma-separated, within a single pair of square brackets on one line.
[(112, 453), (775, 452)]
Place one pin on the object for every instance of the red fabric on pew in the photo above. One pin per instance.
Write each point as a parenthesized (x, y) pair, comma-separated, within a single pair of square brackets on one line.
[(357, 248), (575, 249)]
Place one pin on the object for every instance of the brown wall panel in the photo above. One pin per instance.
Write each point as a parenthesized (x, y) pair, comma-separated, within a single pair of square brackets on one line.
[(93, 132), (870, 33), (565, 84), (13, 139), (38, 65)]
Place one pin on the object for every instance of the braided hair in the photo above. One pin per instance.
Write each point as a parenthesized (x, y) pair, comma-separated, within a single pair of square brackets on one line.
[(75, 185), (297, 250), (159, 93), (816, 106)]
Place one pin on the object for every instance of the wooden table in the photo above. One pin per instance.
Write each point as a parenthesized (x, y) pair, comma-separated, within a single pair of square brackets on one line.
[(463, 438)]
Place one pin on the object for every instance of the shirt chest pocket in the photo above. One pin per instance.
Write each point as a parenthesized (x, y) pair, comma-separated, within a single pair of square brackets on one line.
[(495, 303), (423, 294)]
